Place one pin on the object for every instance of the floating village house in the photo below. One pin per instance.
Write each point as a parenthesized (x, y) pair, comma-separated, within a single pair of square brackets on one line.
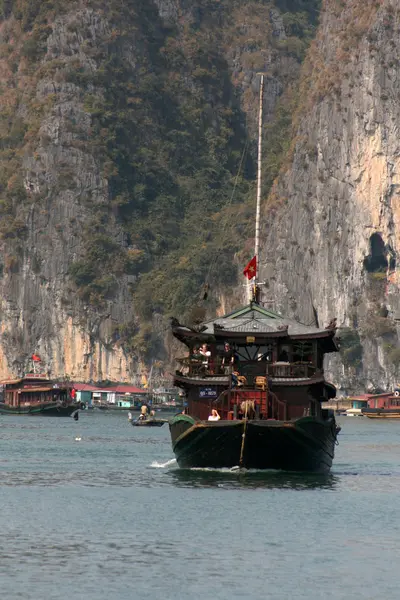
[(118, 394)]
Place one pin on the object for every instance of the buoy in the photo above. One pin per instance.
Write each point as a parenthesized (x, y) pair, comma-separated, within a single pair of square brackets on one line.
[(78, 439)]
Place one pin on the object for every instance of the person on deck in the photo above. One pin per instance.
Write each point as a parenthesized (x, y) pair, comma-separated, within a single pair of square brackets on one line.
[(214, 415), (196, 355), (228, 358), (205, 356)]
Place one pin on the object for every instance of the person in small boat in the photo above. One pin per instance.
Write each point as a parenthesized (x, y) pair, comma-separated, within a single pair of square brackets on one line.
[(152, 413), (214, 415), (143, 412)]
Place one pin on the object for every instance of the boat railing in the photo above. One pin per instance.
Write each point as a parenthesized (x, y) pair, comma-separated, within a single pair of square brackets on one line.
[(250, 370), (266, 404), (192, 367), (291, 370)]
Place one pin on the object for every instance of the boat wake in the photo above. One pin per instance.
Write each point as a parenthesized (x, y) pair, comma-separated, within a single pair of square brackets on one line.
[(158, 465)]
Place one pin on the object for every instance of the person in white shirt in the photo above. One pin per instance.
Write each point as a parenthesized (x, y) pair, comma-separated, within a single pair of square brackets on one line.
[(205, 355), (205, 352), (214, 415)]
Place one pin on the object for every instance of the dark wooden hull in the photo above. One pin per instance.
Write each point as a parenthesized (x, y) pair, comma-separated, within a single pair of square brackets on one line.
[(48, 409), (149, 422), (305, 444)]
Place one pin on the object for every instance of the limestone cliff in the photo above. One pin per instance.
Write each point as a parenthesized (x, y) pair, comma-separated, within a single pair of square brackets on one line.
[(122, 128), (334, 242)]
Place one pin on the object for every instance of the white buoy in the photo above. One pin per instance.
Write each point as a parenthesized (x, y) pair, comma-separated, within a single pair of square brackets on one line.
[(78, 439)]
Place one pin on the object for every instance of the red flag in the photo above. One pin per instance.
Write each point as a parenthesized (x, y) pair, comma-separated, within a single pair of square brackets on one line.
[(36, 358), (250, 270)]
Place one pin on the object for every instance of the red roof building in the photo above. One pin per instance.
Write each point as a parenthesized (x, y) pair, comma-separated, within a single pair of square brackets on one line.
[(117, 388)]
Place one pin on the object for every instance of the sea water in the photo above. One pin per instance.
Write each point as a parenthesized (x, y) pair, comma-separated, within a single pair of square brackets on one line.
[(98, 510)]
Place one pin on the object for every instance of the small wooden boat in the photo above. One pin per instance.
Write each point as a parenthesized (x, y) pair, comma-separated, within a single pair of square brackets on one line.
[(150, 422), (36, 394)]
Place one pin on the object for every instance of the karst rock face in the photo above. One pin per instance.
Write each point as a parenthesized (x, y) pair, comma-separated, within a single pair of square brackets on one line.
[(78, 179), (331, 226), (71, 72), (40, 310)]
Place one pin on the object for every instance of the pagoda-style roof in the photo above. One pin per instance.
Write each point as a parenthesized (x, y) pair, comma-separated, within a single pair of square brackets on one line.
[(257, 322)]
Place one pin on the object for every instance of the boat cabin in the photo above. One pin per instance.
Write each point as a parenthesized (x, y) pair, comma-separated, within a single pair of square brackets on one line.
[(257, 355)]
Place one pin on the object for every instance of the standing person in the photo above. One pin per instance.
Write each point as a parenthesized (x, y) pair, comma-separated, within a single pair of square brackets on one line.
[(228, 358), (205, 355)]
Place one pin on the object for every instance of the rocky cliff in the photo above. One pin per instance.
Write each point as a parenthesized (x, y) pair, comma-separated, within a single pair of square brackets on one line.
[(126, 130), (127, 166), (333, 248)]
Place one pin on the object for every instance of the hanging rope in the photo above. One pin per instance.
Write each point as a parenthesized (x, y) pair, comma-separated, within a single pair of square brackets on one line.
[(243, 437)]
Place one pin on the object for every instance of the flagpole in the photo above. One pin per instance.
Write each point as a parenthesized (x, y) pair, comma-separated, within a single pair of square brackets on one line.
[(259, 166), (252, 284)]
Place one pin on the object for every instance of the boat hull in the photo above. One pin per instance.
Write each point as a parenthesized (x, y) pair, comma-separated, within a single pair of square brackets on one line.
[(50, 409), (149, 422), (381, 413), (305, 444)]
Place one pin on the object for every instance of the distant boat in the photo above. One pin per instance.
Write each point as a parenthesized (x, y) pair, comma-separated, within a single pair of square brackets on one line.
[(149, 422), (353, 412), (383, 406), (36, 394)]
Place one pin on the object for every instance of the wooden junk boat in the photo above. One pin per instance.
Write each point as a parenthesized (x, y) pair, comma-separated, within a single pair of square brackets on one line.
[(36, 394), (270, 400)]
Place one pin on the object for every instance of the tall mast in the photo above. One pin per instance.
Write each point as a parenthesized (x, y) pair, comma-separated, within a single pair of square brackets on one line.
[(258, 209)]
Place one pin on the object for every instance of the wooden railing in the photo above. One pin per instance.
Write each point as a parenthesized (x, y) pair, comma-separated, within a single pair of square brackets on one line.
[(191, 367), (267, 404)]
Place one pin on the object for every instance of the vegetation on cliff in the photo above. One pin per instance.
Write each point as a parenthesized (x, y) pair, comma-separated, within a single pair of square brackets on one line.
[(171, 108)]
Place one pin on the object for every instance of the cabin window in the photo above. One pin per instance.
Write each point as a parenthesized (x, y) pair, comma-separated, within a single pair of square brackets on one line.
[(303, 352)]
